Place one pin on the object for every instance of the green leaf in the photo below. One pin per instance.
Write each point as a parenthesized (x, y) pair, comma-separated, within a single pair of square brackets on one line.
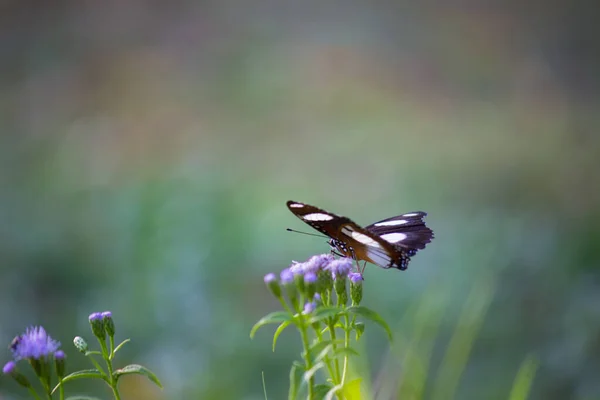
[(324, 312), (345, 351), (524, 379), (359, 327), (294, 380), (311, 372), (273, 318), (320, 349), (373, 316), (280, 329), (121, 345), (86, 373), (321, 391), (137, 370)]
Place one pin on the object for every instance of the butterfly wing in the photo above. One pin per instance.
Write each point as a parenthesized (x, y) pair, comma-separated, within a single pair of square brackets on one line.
[(348, 237), (406, 231)]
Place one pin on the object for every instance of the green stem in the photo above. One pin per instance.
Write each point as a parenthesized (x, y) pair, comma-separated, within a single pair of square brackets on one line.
[(34, 393), (346, 345), (307, 359), (332, 333), (112, 380), (61, 390), (326, 358)]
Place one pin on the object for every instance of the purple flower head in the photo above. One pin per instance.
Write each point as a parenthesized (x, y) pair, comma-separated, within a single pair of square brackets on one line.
[(59, 355), (317, 298), (9, 367), (270, 277), (356, 277), (286, 276), (317, 263), (310, 277), (95, 316), (341, 267), (106, 314), (309, 307), (34, 343), (297, 268)]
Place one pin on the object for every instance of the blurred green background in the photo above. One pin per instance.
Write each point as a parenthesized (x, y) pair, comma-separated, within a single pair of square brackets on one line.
[(147, 149)]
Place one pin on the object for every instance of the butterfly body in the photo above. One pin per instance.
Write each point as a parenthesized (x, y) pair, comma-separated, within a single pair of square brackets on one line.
[(389, 243)]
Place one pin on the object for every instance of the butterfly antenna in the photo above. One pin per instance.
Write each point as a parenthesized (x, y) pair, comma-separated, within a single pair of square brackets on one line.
[(305, 233)]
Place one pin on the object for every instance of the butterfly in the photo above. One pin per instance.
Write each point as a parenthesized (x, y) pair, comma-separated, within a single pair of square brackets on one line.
[(389, 243)]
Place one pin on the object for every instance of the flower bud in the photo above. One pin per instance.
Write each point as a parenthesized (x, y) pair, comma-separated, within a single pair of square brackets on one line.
[(97, 324), (356, 289), (287, 279), (59, 362), (10, 368), (80, 344), (109, 324), (273, 285), (310, 284), (340, 291), (309, 307)]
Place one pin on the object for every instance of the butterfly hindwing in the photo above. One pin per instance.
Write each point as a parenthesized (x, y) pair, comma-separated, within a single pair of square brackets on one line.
[(407, 230)]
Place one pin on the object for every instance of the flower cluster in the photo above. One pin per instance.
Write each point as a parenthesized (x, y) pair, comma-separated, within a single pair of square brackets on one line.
[(37, 347), (315, 280), (314, 296)]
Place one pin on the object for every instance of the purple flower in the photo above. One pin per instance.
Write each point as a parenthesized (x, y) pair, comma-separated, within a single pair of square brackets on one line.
[(9, 367), (310, 278), (34, 343), (317, 263), (356, 277), (286, 276), (270, 277), (59, 355), (341, 267), (95, 316), (106, 314), (297, 268), (309, 307), (317, 298)]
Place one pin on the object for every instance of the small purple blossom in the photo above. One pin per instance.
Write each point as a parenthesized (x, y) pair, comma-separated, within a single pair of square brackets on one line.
[(34, 343), (341, 267), (106, 314), (59, 355), (356, 277), (95, 316), (9, 367), (286, 276), (310, 277), (297, 268), (317, 263), (270, 277), (309, 307), (317, 297)]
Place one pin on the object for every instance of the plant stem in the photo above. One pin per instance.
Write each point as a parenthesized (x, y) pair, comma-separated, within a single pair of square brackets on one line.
[(331, 325), (346, 345), (307, 358)]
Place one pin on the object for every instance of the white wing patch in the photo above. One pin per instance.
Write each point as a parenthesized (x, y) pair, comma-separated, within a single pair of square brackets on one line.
[(317, 217), (392, 222), (410, 214), (296, 205), (364, 239), (359, 237), (379, 258), (394, 237)]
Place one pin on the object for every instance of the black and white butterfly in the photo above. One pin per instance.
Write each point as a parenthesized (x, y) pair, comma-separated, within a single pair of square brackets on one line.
[(389, 243)]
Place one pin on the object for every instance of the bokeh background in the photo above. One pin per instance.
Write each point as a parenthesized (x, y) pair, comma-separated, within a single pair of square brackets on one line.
[(147, 149)]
